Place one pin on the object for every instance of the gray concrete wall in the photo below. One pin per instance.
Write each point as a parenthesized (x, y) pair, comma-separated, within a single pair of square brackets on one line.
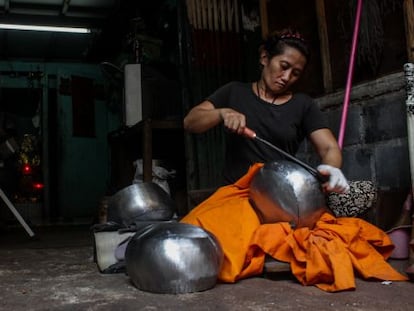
[(375, 142)]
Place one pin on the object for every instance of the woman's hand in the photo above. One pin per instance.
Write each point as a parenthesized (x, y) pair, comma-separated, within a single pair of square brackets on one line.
[(205, 116), (337, 181), (234, 121)]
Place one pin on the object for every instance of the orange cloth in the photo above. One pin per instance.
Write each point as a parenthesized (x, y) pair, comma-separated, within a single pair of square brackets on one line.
[(325, 256)]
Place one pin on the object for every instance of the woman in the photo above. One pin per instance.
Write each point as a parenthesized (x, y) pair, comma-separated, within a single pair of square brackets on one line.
[(273, 111), (324, 256)]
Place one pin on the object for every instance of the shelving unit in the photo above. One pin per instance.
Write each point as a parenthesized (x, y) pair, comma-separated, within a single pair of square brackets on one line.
[(146, 127), (149, 139)]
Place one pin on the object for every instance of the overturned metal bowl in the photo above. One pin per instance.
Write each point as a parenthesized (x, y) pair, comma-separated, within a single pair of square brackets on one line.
[(283, 191), (140, 202), (173, 258)]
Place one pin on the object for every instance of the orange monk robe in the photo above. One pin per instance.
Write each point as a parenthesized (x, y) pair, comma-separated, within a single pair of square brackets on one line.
[(326, 256)]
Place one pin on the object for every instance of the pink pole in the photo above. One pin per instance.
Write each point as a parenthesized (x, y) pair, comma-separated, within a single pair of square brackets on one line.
[(350, 75)]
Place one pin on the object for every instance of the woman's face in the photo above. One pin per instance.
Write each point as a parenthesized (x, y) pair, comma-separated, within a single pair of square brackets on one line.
[(281, 71)]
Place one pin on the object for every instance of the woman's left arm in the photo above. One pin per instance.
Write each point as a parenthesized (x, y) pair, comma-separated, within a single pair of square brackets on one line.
[(328, 149)]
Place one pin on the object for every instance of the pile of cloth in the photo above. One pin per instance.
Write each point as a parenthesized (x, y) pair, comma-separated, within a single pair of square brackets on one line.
[(330, 255)]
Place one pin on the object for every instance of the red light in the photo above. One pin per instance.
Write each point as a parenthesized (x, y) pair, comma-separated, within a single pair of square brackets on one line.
[(38, 186), (27, 169)]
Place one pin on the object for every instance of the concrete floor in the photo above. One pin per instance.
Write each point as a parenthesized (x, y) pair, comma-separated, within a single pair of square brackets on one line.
[(56, 271)]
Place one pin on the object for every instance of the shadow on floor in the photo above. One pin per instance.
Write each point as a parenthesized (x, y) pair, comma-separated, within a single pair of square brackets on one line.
[(54, 236)]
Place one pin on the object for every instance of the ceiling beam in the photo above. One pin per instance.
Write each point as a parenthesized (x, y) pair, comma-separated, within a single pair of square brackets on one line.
[(6, 6), (47, 20), (65, 7), (56, 10)]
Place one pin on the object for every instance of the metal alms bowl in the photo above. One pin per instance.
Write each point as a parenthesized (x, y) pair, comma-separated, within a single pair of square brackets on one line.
[(140, 202), (173, 258), (283, 191)]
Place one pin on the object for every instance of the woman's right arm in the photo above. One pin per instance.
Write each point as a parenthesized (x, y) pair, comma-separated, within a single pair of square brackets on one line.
[(202, 117), (205, 116)]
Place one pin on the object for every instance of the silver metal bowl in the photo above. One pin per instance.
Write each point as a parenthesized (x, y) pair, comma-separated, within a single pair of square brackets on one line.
[(283, 191), (173, 258), (140, 202)]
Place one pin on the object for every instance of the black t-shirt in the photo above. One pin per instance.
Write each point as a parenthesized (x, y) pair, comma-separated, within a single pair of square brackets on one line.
[(282, 125)]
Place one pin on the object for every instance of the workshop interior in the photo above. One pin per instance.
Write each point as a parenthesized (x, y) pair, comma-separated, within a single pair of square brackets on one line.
[(93, 94)]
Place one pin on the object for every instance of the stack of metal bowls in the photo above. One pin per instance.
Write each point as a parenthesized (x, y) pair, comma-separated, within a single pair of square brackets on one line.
[(173, 258)]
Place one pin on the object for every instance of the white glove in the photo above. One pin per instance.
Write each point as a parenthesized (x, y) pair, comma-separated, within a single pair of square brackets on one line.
[(337, 181)]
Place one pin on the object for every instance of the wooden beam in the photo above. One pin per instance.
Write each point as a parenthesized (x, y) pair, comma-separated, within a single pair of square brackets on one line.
[(409, 28), (65, 7), (147, 151), (236, 6), (324, 45), (264, 19)]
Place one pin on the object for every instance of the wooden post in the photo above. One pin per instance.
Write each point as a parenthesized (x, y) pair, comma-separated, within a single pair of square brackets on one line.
[(229, 15), (324, 45), (203, 9), (210, 25), (222, 15), (216, 16), (263, 18), (147, 150), (409, 28), (236, 6), (191, 12)]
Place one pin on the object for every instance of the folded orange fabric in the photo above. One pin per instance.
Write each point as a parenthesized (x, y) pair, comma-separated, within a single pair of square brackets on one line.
[(326, 256)]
